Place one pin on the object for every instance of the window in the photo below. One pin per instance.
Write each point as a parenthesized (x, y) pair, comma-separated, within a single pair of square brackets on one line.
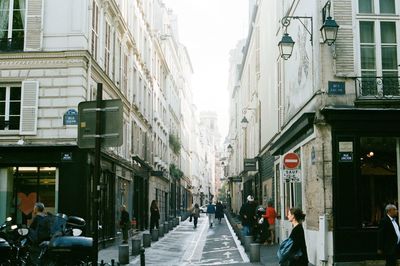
[(10, 107), (95, 29), (378, 51), (107, 49), (378, 177), (12, 20), (385, 6)]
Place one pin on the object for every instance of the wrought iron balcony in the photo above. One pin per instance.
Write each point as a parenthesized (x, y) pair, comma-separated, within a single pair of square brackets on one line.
[(11, 44), (378, 87)]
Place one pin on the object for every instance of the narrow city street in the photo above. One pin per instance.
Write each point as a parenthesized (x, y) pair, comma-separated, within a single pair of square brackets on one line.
[(201, 246)]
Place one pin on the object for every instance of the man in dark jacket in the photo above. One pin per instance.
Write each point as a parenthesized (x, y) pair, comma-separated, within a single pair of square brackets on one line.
[(124, 224), (248, 215), (389, 236)]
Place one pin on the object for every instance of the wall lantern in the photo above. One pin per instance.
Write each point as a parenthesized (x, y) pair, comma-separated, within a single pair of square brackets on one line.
[(329, 27), (286, 44), (230, 148), (244, 122), (328, 30)]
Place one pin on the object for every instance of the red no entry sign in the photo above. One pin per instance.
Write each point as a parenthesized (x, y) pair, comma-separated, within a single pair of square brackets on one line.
[(291, 160)]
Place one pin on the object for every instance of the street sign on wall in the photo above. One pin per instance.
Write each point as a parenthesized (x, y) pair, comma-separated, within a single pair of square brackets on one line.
[(291, 167)]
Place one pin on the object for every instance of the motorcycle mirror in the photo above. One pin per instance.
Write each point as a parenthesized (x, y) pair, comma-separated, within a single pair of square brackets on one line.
[(23, 231), (76, 232), (8, 219)]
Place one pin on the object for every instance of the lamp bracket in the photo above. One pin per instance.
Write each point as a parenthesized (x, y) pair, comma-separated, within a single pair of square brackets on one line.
[(286, 22)]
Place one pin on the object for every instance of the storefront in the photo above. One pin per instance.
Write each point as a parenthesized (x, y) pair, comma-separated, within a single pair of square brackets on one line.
[(60, 177), (366, 159)]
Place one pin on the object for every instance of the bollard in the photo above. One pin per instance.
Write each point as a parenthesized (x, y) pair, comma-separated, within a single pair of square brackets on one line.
[(247, 242), (146, 240), (123, 254), (154, 234), (102, 263), (112, 262), (161, 230), (142, 258), (166, 227), (254, 252), (135, 246), (170, 225), (178, 220)]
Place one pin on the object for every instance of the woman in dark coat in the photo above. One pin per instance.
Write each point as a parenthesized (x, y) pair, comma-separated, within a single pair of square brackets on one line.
[(219, 211), (154, 215), (296, 217)]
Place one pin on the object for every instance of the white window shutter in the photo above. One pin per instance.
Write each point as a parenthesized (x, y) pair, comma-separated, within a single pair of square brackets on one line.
[(33, 25), (29, 108)]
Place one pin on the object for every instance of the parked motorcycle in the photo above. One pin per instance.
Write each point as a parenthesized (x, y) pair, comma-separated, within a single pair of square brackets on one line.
[(12, 239), (67, 245)]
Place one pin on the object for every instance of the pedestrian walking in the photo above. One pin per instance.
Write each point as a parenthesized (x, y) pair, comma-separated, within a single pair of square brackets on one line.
[(389, 235), (219, 211), (211, 213), (195, 214), (154, 215), (299, 248), (270, 216), (124, 223), (248, 216)]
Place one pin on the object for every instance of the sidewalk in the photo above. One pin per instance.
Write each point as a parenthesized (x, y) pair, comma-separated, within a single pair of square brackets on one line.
[(267, 253)]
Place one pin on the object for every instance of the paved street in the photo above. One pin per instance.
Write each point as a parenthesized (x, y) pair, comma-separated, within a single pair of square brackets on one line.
[(188, 246)]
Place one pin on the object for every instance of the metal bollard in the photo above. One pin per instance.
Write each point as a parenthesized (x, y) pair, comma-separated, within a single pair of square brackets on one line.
[(102, 263), (178, 220), (166, 227), (146, 240), (154, 234), (112, 262), (142, 258), (254, 252), (161, 230), (135, 246), (170, 225), (247, 241), (123, 254)]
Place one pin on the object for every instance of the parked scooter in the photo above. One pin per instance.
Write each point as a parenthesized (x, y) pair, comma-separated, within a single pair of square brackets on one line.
[(67, 245)]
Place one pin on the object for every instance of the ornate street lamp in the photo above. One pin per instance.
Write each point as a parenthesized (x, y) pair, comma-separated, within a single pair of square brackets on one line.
[(286, 46), (329, 31)]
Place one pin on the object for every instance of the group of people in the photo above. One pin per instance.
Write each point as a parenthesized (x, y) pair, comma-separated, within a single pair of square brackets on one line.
[(213, 211), (252, 224)]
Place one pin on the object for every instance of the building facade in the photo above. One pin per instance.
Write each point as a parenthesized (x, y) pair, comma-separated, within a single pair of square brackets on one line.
[(337, 108)]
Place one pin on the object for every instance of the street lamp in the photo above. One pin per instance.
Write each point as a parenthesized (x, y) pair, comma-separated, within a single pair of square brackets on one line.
[(230, 148), (244, 122), (286, 46), (329, 28), (329, 31)]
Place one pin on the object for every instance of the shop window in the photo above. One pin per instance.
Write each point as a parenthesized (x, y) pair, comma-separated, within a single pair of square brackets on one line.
[(31, 185), (378, 178)]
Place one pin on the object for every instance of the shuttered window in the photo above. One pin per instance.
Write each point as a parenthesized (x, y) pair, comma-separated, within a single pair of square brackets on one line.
[(34, 21), (29, 107)]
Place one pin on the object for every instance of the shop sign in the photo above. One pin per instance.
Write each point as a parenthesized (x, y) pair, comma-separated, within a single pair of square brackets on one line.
[(235, 179), (250, 165)]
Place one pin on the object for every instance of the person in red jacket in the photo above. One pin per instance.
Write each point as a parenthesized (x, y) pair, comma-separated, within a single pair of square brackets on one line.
[(270, 215)]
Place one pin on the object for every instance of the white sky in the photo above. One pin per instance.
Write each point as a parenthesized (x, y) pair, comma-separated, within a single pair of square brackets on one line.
[(210, 29)]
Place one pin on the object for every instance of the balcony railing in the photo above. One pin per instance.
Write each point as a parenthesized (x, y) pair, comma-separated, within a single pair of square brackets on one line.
[(378, 87), (11, 44)]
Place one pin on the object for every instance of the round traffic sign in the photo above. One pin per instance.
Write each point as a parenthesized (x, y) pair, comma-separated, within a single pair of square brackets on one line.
[(291, 160)]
